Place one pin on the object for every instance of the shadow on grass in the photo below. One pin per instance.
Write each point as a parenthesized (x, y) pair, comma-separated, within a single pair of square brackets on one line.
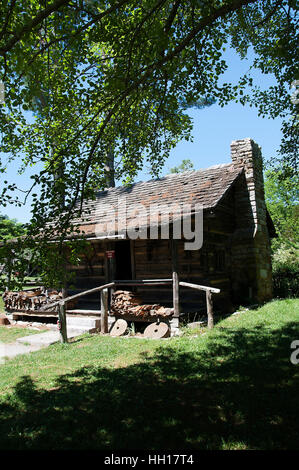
[(241, 390)]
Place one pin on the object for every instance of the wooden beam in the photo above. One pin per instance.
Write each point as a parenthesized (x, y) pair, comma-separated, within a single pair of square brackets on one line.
[(175, 288), (210, 309), (110, 284), (104, 311), (140, 282), (76, 296), (174, 255), (175, 278), (62, 322), (214, 290), (32, 313)]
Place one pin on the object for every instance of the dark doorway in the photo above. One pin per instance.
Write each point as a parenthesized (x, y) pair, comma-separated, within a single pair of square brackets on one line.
[(123, 269)]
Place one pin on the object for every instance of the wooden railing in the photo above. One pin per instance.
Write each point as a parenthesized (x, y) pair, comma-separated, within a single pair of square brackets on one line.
[(61, 304), (62, 310), (209, 291)]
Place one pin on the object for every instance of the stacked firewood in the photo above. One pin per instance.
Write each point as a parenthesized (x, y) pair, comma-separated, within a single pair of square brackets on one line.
[(126, 303), (30, 300)]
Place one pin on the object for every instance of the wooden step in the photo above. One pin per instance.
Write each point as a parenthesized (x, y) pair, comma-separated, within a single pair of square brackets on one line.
[(92, 313), (47, 314)]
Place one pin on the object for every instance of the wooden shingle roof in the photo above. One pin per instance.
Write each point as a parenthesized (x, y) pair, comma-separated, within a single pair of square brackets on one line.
[(204, 187)]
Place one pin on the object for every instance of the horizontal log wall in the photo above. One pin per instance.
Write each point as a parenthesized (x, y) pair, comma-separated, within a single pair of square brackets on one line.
[(152, 259), (88, 274), (211, 265)]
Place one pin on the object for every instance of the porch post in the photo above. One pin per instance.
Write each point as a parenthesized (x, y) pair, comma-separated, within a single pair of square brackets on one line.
[(104, 311), (175, 278), (62, 323), (210, 309)]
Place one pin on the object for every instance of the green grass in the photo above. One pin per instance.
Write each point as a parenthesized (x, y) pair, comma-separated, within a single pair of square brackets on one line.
[(2, 310), (8, 334), (233, 387)]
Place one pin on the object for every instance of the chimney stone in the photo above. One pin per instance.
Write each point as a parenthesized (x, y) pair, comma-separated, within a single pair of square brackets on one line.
[(251, 269)]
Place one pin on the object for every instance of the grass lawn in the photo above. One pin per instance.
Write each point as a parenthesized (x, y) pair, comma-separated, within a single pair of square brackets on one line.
[(1, 304), (233, 387), (8, 334)]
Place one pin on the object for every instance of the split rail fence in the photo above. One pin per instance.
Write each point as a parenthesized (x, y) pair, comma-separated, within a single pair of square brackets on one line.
[(148, 282)]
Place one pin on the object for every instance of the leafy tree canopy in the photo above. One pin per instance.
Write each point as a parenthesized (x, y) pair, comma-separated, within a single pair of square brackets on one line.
[(105, 77), (282, 199), (10, 228), (186, 165)]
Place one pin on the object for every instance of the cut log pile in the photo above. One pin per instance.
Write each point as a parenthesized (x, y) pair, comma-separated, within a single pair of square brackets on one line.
[(129, 304), (32, 300)]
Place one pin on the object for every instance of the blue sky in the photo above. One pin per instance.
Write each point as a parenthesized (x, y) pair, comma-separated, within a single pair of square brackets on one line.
[(214, 129)]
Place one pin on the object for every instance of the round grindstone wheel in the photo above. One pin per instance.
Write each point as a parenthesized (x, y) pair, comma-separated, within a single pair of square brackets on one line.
[(118, 328), (157, 330)]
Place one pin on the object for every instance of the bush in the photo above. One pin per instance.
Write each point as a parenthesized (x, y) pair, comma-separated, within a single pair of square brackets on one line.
[(286, 271)]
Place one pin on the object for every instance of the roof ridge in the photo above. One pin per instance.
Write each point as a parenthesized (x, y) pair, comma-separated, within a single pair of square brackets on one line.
[(213, 167), (206, 187), (169, 175)]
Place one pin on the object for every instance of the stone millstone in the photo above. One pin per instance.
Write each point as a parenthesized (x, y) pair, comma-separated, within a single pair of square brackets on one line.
[(4, 320), (118, 328), (157, 330)]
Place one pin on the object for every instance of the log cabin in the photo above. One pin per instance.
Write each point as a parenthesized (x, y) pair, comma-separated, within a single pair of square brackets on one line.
[(235, 230)]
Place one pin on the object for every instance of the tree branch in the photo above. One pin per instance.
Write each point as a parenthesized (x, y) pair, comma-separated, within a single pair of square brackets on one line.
[(3, 32), (33, 23), (172, 16), (268, 16)]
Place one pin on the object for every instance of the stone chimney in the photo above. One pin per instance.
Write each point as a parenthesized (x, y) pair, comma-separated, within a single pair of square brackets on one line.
[(251, 252)]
